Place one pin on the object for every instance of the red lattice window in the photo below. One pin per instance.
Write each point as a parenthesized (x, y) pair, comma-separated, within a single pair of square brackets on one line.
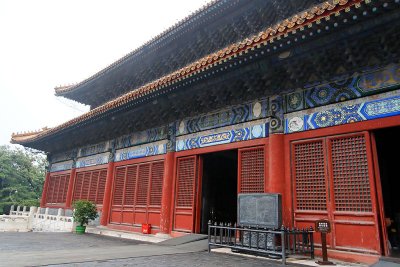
[(90, 185), (56, 180), (251, 170), (78, 186), (85, 186), (350, 174), (119, 183), (66, 183), (130, 186), (50, 190), (57, 188), (143, 184), (93, 186), (102, 186), (185, 183), (309, 172), (157, 175), (61, 188)]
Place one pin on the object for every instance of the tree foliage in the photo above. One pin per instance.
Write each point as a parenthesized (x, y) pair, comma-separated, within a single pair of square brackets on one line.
[(22, 173)]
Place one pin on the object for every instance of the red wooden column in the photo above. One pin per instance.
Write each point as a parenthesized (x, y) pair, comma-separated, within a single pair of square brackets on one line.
[(68, 200), (167, 193), (107, 194), (45, 185), (276, 175)]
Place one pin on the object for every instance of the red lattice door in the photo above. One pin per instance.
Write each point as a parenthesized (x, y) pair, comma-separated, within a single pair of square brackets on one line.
[(120, 203), (185, 194), (334, 179), (353, 204), (137, 194), (251, 170), (310, 179)]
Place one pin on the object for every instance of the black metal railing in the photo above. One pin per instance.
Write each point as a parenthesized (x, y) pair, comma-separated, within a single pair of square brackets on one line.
[(270, 242)]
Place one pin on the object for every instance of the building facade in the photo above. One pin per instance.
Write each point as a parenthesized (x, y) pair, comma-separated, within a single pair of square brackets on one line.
[(243, 97)]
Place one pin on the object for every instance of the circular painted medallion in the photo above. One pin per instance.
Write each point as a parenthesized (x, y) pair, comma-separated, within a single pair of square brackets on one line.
[(257, 110), (182, 127), (256, 131), (295, 124), (181, 145), (161, 148)]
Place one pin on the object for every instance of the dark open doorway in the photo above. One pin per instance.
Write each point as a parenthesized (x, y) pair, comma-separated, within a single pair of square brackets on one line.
[(388, 145), (219, 188)]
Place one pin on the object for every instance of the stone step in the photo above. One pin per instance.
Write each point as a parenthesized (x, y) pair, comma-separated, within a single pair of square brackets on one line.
[(101, 230)]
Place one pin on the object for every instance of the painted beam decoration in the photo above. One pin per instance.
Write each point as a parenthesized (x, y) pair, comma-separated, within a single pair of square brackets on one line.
[(138, 138), (225, 117), (152, 149), (61, 166), (224, 135), (94, 149), (362, 109), (62, 156), (344, 88), (93, 160)]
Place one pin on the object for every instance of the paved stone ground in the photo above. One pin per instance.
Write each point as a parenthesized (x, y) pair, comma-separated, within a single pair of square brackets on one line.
[(183, 260), (67, 249), (39, 241)]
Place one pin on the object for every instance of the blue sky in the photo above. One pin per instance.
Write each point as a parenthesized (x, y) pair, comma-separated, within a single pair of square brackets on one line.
[(45, 43)]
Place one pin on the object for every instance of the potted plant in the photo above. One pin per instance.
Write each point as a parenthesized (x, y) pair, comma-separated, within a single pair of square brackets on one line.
[(84, 211)]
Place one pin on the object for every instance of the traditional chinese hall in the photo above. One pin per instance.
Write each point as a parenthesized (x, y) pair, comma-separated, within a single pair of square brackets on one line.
[(297, 97)]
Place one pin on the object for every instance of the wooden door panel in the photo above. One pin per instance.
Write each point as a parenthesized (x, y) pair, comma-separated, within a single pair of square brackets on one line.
[(251, 162), (118, 195), (310, 184), (356, 235), (137, 192), (185, 192), (333, 179), (153, 218), (353, 192)]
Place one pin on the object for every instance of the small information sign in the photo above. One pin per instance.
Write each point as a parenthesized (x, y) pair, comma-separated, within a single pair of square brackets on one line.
[(323, 226)]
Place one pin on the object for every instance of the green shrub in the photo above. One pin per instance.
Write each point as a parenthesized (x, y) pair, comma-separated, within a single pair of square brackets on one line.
[(84, 211)]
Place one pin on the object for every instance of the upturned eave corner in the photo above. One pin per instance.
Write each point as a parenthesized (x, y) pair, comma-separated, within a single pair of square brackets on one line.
[(24, 137)]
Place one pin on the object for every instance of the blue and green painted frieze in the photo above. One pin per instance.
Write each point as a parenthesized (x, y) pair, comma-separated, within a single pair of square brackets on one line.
[(344, 88), (362, 109), (62, 156), (94, 149), (61, 166), (224, 135), (146, 150), (225, 117), (143, 137), (93, 160)]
